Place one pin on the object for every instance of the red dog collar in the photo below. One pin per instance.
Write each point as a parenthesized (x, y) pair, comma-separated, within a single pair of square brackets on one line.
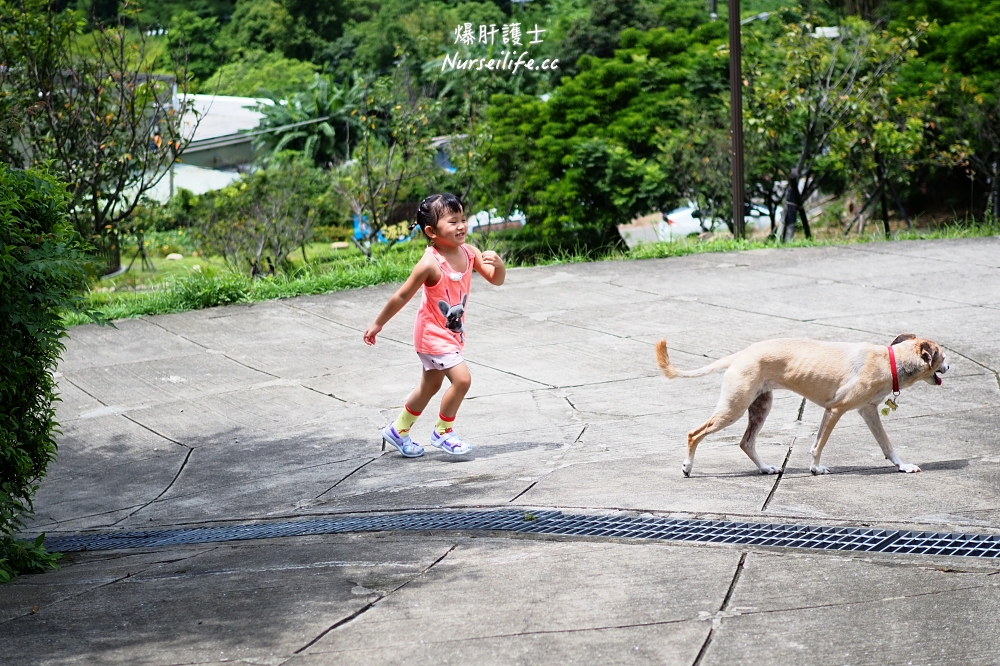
[(892, 366)]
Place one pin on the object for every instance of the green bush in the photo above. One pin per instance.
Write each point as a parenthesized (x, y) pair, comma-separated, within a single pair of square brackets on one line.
[(42, 273), (256, 222), (180, 212), (206, 291), (331, 234)]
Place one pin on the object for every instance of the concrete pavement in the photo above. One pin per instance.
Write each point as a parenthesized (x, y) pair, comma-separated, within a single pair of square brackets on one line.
[(272, 411)]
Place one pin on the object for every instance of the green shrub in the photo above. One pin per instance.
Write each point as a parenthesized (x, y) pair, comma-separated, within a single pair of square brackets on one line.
[(256, 222), (331, 234), (181, 211), (206, 291), (42, 273), (163, 243)]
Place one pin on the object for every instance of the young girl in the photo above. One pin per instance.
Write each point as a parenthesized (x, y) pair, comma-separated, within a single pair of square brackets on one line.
[(445, 271)]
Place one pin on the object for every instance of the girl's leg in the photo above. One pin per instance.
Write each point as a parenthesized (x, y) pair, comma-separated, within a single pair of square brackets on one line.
[(461, 380), (443, 436), (430, 383)]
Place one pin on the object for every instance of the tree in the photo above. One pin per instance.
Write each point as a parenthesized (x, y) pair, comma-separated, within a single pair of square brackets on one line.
[(469, 142), (806, 88), (193, 38), (260, 74), (267, 25), (589, 158), (326, 19), (977, 145), (599, 33), (507, 170), (391, 159), (160, 12), (881, 146), (98, 115), (698, 156), (869, 10), (257, 222)]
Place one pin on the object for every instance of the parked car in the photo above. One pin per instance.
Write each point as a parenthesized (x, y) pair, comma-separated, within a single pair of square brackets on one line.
[(489, 220), (682, 222), (686, 220)]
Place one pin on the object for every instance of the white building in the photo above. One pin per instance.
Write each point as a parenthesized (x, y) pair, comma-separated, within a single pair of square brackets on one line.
[(222, 141)]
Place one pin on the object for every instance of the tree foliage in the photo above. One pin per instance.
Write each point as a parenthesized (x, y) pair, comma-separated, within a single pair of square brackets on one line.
[(316, 121), (98, 115), (636, 118), (258, 221), (193, 39), (391, 162), (261, 74), (806, 92), (42, 270), (593, 159)]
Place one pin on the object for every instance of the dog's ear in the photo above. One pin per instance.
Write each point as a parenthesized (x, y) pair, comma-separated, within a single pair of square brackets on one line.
[(927, 352), (901, 337), (464, 299), (443, 307)]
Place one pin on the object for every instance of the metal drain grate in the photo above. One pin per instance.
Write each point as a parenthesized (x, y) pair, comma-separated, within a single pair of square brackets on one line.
[(555, 522), (471, 520)]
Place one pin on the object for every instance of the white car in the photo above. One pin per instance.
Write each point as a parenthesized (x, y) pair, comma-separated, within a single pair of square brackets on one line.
[(687, 220), (681, 223), (489, 220)]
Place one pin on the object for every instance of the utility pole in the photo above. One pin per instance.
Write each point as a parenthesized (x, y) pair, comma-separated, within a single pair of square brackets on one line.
[(736, 115)]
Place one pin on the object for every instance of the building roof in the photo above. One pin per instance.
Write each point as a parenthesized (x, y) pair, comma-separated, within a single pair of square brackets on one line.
[(221, 115)]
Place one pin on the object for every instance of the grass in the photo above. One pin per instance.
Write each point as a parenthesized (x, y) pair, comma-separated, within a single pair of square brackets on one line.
[(192, 283)]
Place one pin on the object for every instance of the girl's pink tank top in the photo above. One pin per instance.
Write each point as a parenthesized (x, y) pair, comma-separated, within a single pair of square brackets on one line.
[(440, 325)]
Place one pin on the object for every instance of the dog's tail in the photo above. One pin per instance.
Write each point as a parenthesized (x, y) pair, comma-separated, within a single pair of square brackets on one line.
[(663, 360)]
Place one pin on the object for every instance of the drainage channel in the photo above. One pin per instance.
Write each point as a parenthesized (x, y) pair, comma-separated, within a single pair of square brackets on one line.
[(558, 523)]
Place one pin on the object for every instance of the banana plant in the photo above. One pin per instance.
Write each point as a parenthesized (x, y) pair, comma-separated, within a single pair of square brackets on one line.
[(316, 122)]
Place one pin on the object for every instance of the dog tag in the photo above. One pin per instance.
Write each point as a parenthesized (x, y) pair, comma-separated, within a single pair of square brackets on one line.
[(892, 404), (885, 411)]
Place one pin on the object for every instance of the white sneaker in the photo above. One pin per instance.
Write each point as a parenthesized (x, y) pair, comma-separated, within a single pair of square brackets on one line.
[(450, 442), (406, 446)]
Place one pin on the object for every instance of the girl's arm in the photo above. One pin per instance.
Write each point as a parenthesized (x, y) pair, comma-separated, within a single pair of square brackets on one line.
[(424, 271), (489, 265)]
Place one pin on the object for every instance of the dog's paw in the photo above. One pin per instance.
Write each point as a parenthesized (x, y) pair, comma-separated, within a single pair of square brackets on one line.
[(908, 468), (819, 469), (770, 469), (686, 468)]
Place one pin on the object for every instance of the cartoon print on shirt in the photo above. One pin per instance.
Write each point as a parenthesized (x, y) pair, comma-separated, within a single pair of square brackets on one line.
[(453, 314)]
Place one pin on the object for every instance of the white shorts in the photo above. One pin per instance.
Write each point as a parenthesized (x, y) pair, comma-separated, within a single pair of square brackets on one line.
[(440, 361)]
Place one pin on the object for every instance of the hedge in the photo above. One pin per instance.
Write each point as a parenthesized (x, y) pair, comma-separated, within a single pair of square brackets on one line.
[(42, 274)]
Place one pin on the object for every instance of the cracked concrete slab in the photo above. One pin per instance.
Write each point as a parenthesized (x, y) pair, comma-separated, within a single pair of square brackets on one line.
[(511, 589), (852, 611), (221, 602), (273, 410)]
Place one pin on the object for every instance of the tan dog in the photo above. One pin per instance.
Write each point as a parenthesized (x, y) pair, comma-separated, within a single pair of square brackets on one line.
[(836, 376)]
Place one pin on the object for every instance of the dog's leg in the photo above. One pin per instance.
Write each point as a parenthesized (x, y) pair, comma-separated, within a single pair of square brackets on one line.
[(727, 412), (758, 411), (826, 424), (870, 414)]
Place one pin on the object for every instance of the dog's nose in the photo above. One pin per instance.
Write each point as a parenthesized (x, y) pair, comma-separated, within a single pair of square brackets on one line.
[(944, 368)]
